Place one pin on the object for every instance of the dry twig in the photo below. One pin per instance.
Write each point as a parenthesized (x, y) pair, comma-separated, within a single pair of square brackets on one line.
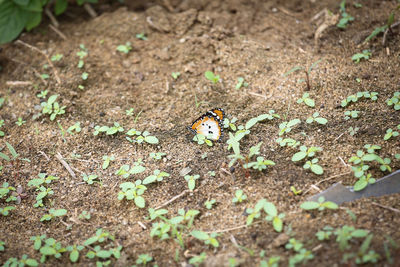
[(65, 164), (18, 83), (327, 179), (58, 32), (386, 207)]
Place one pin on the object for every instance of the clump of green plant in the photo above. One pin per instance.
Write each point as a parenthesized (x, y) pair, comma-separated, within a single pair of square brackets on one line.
[(20, 121), (383, 28), (310, 164), (50, 248), (315, 117), (353, 131), (202, 139), (74, 252), (198, 259), (271, 211), (325, 233), (306, 100), (286, 126), (241, 83), (1, 125), (306, 71), (108, 130), (125, 48), (14, 154), (104, 254), (144, 259), (320, 205), (100, 237), (157, 176), (346, 17), (39, 184), (354, 98), (133, 191), (25, 260), (346, 233), (175, 75), (74, 128), (106, 161), (351, 114), (290, 142), (52, 107), (208, 239), (390, 133), (394, 100), (56, 57), (270, 262), (6, 189), (141, 137), (365, 54), (303, 255), (212, 77), (209, 203), (230, 123), (363, 255), (157, 155), (141, 36), (191, 180), (239, 196), (125, 170), (53, 213), (5, 211), (91, 178), (85, 215), (82, 53)]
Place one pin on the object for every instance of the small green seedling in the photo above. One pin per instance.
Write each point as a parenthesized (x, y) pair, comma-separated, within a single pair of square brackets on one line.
[(74, 128), (351, 114), (315, 117), (383, 28), (74, 252), (53, 213), (191, 180), (25, 260), (346, 17), (303, 255), (366, 54), (209, 239), (395, 101), (239, 196), (157, 155), (346, 233), (129, 112), (90, 179), (320, 205), (141, 36), (363, 182), (287, 142), (201, 139), (56, 57), (108, 130), (353, 131), (5, 211), (125, 170), (52, 107), (6, 189), (141, 137), (212, 77), (39, 183), (294, 244), (1, 125), (211, 173), (209, 203), (313, 166), (51, 248), (295, 191), (14, 154), (44, 76), (272, 214), (230, 123), (175, 75), (133, 191), (85, 76), (144, 259), (198, 260), (157, 176), (85, 215), (307, 100), (324, 234), (106, 161), (82, 53), (261, 164), (305, 152), (391, 133), (363, 255), (306, 72), (286, 127), (100, 237), (20, 121), (354, 98), (124, 48), (371, 148), (270, 262), (241, 83)]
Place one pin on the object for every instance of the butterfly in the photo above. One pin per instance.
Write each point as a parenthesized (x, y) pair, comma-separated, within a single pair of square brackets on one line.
[(210, 124)]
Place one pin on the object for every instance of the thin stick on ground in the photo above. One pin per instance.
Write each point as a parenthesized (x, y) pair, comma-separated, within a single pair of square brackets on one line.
[(327, 179), (58, 32), (18, 83), (44, 54), (65, 164), (50, 15), (232, 228), (173, 199), (386, 207)]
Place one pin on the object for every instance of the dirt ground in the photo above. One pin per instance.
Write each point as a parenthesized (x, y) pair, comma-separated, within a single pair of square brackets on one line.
[(256, 40)]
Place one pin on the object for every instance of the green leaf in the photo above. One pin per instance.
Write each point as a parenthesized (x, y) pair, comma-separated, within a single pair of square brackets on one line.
[(103, 254), (297, 68), (33, 20), (309, 205), (140, 202), (60, 212), (315, 168), (31, 262), (200, 235), (12, 21), (360, 184), (151, 139), (91, 240), (12, 150), (299, 156), (47, 251), (309, 102), (270, 209), (74, 255), (60, 6), (251, 123), (277, 224)]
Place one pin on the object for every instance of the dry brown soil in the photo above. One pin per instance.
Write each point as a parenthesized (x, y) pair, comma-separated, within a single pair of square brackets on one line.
[(257, 40)]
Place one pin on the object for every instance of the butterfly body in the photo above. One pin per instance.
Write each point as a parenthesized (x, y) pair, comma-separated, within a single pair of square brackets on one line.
[(210, 124)]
